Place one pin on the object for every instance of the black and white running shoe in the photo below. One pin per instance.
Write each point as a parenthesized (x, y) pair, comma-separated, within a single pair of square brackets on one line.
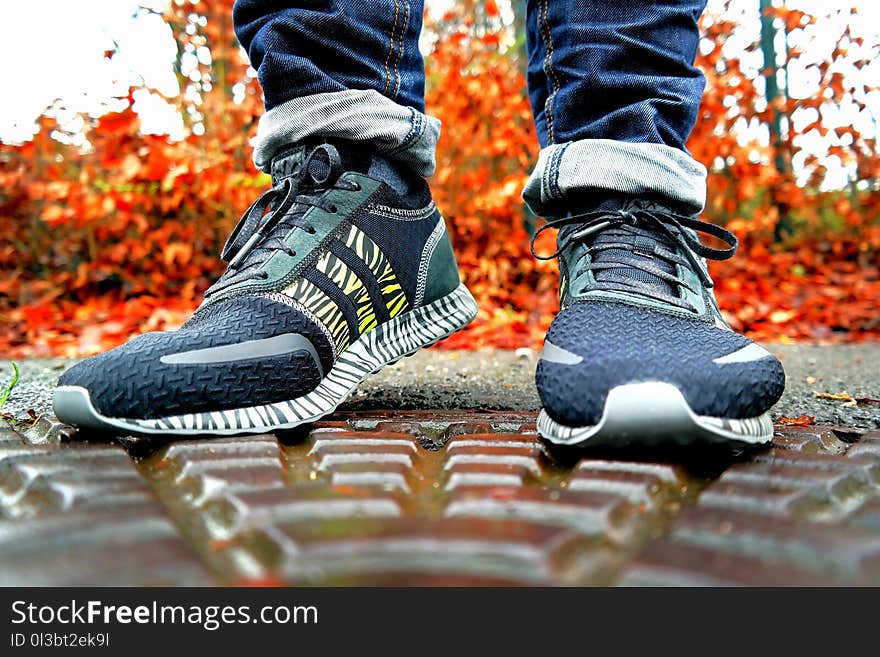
[(639, 353), (343, 267)]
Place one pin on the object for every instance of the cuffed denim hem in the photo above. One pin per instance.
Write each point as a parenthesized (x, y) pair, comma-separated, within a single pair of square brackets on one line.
[(615, 166), (397, 132)]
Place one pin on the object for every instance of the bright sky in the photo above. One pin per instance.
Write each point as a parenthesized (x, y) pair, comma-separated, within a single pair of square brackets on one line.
[(65, 59)]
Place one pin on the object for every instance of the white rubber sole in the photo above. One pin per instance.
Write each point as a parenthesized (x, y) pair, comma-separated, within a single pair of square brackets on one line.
[(652, 413), (401, 336)]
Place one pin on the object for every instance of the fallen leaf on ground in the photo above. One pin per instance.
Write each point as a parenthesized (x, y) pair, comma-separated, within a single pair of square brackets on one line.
[(800, 421), (844, 396)]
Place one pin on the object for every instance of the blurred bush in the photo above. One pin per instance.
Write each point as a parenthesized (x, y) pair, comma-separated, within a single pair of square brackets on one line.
[(121, 236)]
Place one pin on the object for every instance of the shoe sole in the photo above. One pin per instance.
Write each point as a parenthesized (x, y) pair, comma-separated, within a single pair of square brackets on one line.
[(653, 413), (401, 336)]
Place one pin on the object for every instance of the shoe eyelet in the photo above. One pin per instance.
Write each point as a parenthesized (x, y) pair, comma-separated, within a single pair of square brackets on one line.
[(355, 187), (333, 209)]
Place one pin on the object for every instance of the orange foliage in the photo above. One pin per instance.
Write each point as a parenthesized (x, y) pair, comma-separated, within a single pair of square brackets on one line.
[(99, 244)]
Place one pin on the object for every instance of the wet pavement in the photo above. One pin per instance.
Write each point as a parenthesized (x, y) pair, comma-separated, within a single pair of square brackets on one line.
[(464, 493)]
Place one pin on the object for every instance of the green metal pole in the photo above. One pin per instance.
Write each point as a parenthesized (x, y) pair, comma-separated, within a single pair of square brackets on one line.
[(774, 92)]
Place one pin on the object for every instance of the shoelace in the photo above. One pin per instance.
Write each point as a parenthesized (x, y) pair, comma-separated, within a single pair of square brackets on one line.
[(605, 232), (263, 226)]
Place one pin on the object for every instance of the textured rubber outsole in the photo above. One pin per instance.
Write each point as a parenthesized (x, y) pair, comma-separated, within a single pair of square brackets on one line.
[(653, 413), (401, 336)]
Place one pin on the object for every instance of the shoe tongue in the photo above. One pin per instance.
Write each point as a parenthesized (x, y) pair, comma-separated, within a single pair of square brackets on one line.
[(640, 248), (637, 245)]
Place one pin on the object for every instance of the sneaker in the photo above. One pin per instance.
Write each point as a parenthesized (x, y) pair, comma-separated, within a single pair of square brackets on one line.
[(639, 353), (343, 267)]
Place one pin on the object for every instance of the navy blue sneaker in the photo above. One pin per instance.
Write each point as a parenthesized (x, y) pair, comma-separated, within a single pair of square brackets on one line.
[(639, 353), (343, 267)]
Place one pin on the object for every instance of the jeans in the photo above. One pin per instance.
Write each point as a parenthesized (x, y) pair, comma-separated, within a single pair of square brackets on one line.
[(612, 86)]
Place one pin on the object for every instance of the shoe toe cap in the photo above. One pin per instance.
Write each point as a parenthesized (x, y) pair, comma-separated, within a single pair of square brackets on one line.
[(594, 347), (146, 378)]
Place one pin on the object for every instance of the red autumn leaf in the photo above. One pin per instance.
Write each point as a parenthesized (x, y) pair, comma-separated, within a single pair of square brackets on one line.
[(800, 421)]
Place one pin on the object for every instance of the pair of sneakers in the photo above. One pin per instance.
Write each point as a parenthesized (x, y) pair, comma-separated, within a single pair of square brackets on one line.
[(346, 265)]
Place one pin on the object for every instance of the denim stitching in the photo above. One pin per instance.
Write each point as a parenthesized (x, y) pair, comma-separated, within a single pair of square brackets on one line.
[(416, 130), (553, 191), (551, 74), (400, 50), (390, 48)]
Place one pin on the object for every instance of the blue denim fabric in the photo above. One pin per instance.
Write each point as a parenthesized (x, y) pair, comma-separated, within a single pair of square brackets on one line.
[(612, 85), (614, 69), (306, 47), (598, 69)]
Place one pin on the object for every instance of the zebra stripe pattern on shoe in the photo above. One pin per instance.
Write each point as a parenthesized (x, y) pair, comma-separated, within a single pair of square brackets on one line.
[(372, 256), (311, 297)]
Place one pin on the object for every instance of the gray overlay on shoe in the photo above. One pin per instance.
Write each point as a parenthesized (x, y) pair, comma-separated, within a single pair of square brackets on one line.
[(555, 354), (279, 345), (748, 354)]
